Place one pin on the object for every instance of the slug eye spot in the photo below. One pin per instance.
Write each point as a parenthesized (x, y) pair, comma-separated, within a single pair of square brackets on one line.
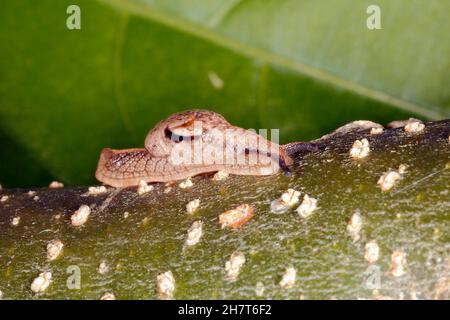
[(178, 138), (172, 136)]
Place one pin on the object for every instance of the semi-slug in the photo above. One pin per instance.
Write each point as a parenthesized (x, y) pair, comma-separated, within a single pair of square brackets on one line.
[(190, 143)]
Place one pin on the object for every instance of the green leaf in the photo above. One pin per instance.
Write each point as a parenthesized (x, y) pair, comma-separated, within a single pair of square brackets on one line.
[(302, 66)]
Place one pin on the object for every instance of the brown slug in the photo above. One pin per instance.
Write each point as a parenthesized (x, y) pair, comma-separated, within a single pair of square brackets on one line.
[(191, 143)]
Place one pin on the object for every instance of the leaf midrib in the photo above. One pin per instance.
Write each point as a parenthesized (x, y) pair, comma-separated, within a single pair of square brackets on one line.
[(268, 57)]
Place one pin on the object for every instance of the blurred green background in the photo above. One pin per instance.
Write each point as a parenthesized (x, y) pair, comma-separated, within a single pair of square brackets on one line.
[(304, 66)]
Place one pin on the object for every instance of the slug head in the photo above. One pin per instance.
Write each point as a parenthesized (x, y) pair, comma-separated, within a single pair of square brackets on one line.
[(182, 126)]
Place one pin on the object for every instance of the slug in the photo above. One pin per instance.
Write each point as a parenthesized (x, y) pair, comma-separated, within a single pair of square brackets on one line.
[(191, 143)]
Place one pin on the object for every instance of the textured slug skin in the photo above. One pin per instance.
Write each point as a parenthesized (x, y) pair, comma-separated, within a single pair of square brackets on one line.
[(124, 168)]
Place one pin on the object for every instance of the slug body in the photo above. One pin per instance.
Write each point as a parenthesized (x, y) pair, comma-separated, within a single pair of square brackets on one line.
[(191, 143)]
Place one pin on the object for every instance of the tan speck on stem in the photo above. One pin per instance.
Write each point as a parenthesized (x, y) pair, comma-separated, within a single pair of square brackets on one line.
[(41, 283), (378, 130), (236, 217), (354, 226), (108, 296), (15, 221), (360, 149), (103, 268), (289, 277), (55, 185), (144, 187), (259, 290), (186, 184), (286, 201), (372, 252), (220, 175), (388, 180), (54, 249), (402, 169), (96, 190), (194, 234), (192, 206), (165, 285), (167, 189), (398, 263), (307, 206), (80, 216), (414, 126), (233, 266)]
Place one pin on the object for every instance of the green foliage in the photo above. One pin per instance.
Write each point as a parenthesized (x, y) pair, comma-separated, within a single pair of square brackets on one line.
[(305, 67)]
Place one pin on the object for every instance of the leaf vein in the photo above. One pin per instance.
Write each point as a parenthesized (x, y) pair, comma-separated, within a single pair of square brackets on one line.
[(269, 57), (118, 76)]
